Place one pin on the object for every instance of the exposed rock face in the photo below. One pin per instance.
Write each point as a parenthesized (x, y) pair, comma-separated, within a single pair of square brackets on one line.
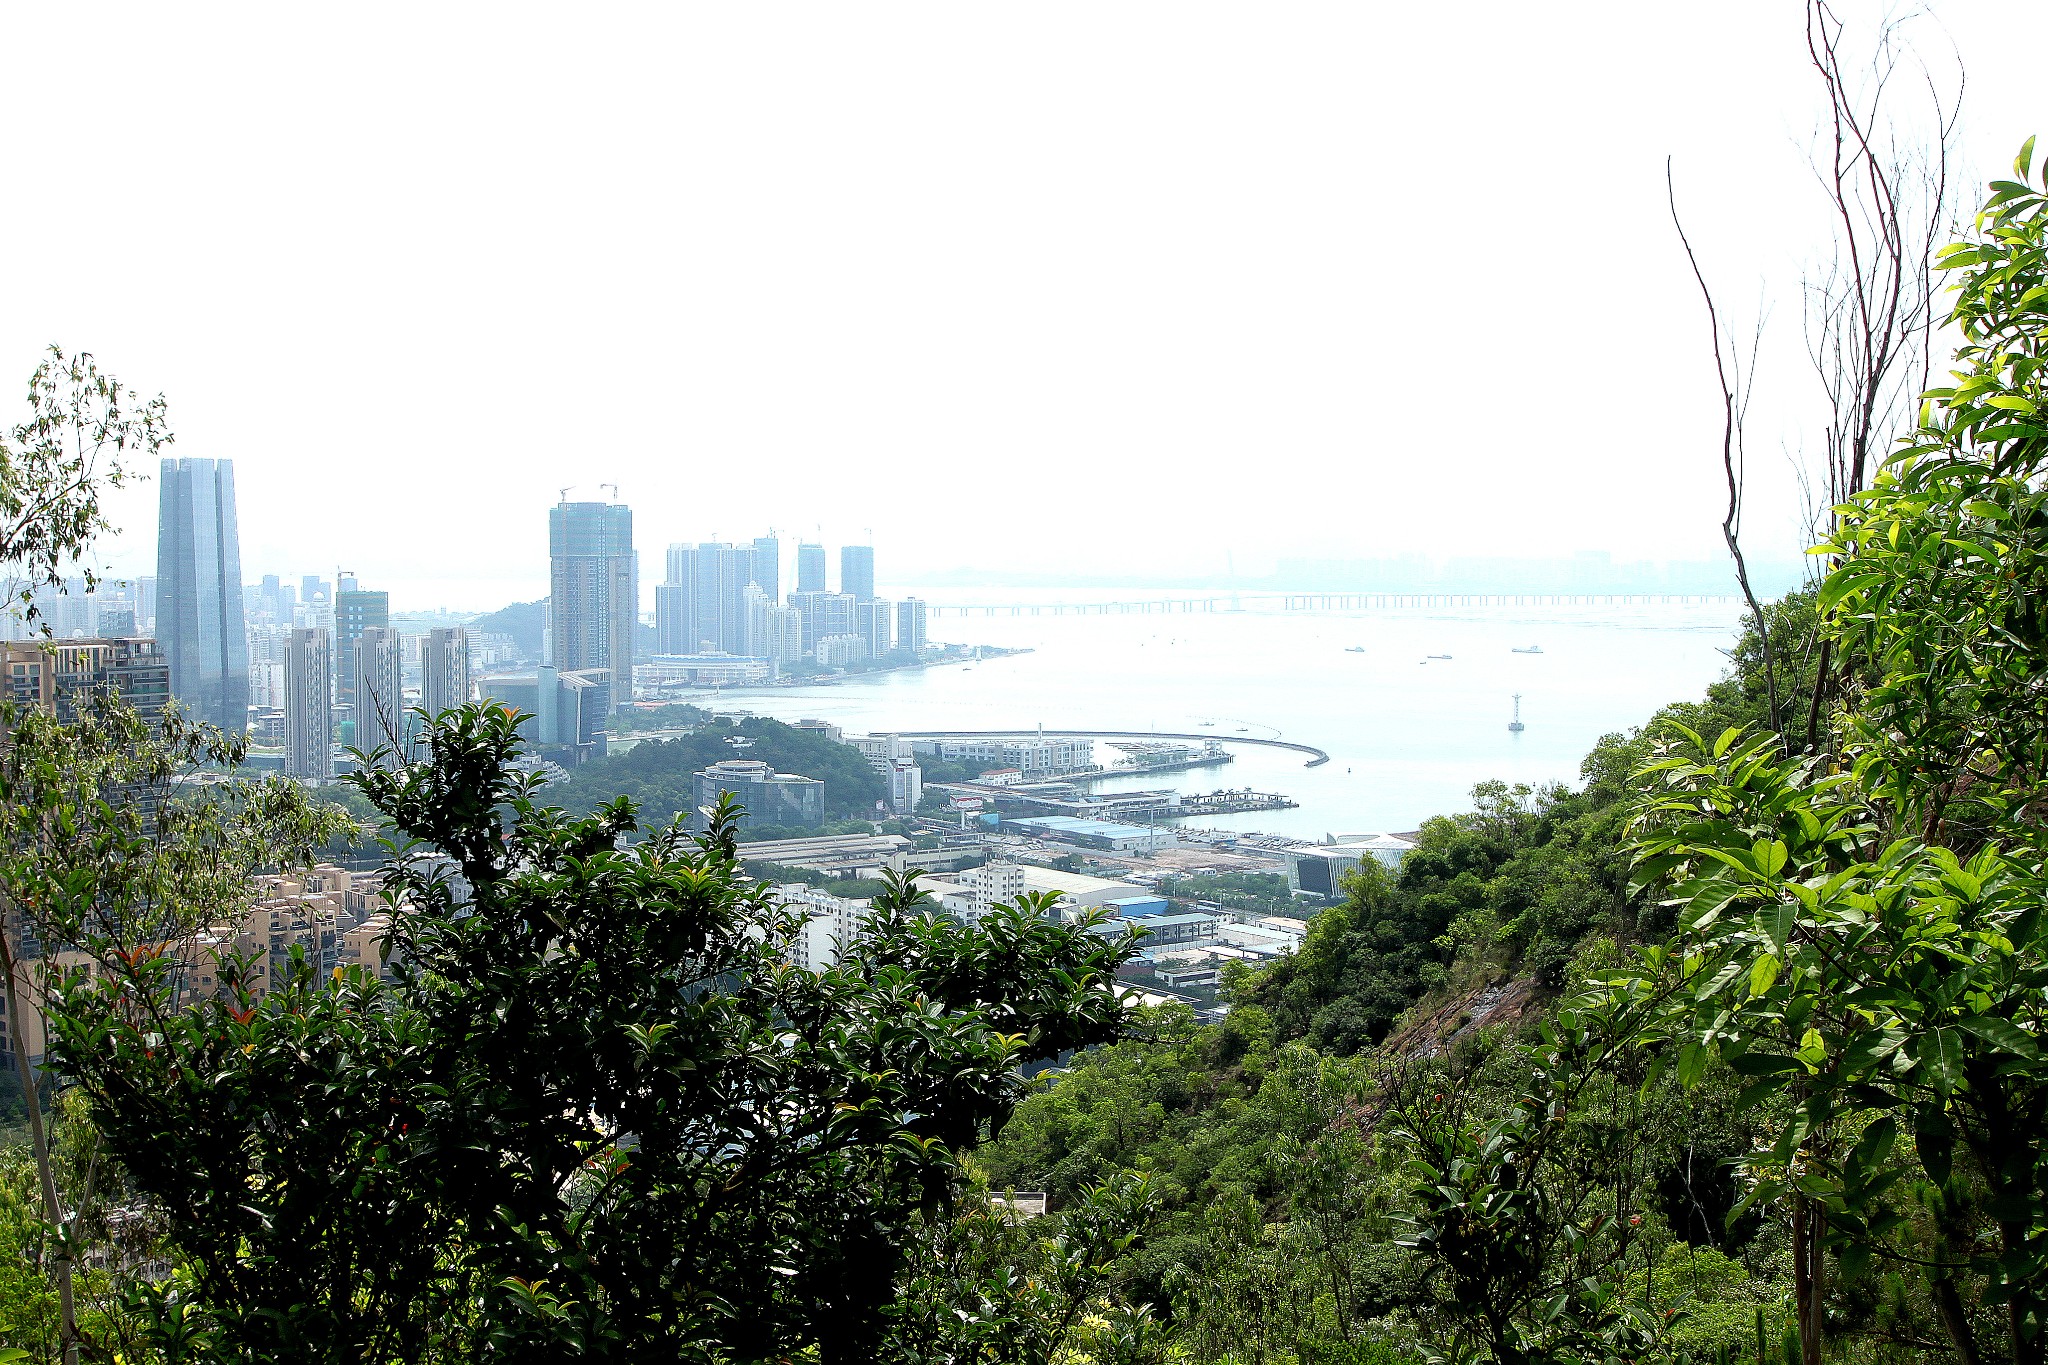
[(1508, 1002)]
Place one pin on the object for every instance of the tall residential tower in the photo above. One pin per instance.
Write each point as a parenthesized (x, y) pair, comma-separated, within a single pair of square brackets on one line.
[(857, 572), (309, 705), (444, 670), (594, 591)]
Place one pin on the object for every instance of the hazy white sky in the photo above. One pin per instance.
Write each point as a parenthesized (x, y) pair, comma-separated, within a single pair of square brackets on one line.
[(1068, 287)]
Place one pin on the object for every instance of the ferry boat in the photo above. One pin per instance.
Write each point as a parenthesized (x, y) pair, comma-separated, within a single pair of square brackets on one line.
[(1532, 649), (1439, 656), (1354, 649)]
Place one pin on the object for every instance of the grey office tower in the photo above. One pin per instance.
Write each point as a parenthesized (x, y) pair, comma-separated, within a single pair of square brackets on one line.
[(594, 591), (768, 566), (355, 611), (810, 568), (199, 620), (857, 572)]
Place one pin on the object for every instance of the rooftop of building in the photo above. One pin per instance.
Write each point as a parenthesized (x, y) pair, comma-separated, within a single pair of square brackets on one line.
[(1354, 845), (823, 845), (1071, 883), (1074, 824)]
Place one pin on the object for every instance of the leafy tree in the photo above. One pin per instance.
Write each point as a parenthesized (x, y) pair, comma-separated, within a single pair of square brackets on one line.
[(594, 1113), (1863, 937)]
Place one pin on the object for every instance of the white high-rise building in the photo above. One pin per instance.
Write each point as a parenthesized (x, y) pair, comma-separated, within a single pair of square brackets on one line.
[(444, 670), (785, 634), (309, 705), (983, 888), (831, 924), (906, 786)]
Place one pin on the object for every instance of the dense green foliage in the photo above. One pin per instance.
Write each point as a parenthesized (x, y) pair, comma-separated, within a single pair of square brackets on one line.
[(593, 1116), (656, 775), (673, 716)]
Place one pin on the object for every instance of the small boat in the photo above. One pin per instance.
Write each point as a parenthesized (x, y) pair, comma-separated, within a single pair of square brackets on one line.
[(1532, 649), (1206, 722), (1439, 656), (1354, 649), (1242, 728)]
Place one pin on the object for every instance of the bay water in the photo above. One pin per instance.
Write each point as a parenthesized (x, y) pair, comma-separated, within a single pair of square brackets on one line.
[(1408, 734)]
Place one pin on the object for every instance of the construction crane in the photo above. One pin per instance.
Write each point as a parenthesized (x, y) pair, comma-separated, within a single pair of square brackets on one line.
[(615, 490), (562, 495)]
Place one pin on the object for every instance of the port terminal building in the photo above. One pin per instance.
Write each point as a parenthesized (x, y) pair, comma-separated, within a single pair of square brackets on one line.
[(1320, 869)]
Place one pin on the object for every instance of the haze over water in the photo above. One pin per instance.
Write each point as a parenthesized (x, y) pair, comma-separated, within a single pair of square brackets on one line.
[(1407, 739)]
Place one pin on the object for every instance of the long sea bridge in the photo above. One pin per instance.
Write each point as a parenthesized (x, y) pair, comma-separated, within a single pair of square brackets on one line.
[(1328, 601)]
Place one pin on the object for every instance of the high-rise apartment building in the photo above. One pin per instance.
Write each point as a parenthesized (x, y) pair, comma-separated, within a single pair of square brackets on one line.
[(810, 567), (767, 574), (380, 693), (785, 635), (857, 572), (309, 704), (444, 670), (824, 615), (594, 590), (355, 611), (703, 605), (60, 675), (199, 620), (875, 622), (754, 608), (911, 615)]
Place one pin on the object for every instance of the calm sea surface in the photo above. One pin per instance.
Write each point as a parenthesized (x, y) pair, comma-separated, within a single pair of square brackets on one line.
[(1407, 738)]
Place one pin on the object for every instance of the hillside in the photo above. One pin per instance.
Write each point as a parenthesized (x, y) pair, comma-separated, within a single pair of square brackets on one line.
[(657, 773)]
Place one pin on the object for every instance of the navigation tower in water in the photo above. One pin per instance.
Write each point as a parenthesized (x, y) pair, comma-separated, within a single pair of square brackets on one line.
[(1515, 725)]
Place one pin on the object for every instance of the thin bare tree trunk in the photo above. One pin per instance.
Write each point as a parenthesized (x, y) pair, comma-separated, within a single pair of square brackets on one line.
[(1808, 1224), (1731, 464), (1871, 314)]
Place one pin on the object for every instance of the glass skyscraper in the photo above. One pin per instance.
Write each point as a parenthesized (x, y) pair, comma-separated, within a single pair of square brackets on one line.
[(199, 621)]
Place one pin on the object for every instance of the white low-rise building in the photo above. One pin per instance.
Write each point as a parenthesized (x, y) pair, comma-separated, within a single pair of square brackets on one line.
[(830, 926)]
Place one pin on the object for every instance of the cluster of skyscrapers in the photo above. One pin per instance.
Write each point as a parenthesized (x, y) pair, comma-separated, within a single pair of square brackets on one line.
[(726, 600), (303, 666), (720, 612), (311, 666)]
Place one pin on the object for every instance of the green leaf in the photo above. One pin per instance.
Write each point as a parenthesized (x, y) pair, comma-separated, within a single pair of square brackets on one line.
[(1764, 1064), (2003, 1034), (1763, 975), (1941, 1053)]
